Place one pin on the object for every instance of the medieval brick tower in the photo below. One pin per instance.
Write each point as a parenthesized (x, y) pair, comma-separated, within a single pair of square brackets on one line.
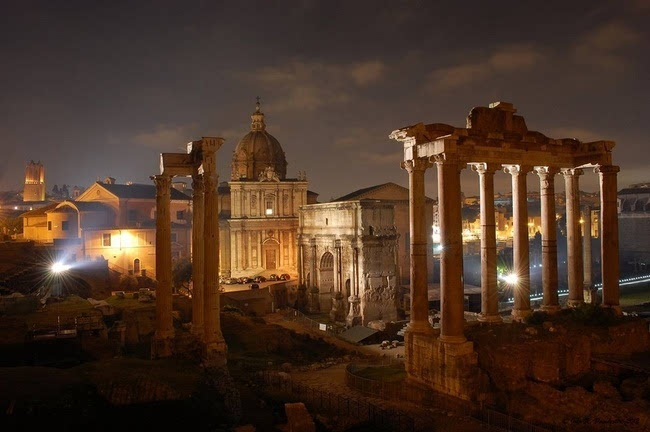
[(34, 182)]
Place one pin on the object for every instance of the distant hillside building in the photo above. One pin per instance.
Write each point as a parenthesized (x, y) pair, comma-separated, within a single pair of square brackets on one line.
[(34, 182)]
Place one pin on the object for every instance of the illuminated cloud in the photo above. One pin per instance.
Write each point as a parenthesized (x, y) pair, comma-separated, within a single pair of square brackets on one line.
[(602, 47), (308, 86), (514, 58)]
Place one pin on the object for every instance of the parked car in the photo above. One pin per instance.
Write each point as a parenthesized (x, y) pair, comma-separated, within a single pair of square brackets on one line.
[(259, 279), (285, 277), (246, 280), (255, 286), (273, 277)]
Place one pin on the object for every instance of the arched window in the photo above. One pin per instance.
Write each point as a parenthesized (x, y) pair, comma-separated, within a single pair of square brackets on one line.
[(136, 266)]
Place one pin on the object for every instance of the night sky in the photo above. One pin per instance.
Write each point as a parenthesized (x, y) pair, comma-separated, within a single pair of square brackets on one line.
[(94, 88)]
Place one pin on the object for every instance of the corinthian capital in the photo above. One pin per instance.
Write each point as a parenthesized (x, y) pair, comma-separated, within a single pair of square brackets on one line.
[(416, 165), (197, 183), (571, 172), (517, 169), (545, 172), (163, 184), (484, 168)]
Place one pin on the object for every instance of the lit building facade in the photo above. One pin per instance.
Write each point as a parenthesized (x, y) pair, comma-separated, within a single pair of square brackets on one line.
[(112, 221)]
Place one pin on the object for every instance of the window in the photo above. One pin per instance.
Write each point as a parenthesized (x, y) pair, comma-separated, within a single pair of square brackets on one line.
[(269, 207), (180, 215), (49, 225), (327, 221), (136, 266), (106, 239), (174, 237), (132, 215), (64, 225)]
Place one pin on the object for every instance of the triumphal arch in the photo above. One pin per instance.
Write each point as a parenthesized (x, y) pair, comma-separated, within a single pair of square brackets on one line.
[(495, 138), (199, 163)]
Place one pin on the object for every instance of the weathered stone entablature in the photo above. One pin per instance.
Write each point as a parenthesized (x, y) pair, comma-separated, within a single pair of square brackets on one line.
[(348, 259), (494, 138)]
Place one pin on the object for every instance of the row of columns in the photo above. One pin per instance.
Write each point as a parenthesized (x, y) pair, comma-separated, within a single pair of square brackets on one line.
[(451, 261), (205, 249)]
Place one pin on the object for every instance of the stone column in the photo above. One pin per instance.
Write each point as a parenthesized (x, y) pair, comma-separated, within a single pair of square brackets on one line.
[(574, 240), (489, 294), (609, 236), (521, 259), (418, 233), (550, 302), (198, 264), (589, 292), (452, 296), (214, 344), (163, 337)]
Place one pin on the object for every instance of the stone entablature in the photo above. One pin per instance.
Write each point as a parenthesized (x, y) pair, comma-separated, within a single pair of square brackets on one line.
[(348, 259)]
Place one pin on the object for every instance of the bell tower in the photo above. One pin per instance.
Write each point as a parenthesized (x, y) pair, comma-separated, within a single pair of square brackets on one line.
[(34, 182)]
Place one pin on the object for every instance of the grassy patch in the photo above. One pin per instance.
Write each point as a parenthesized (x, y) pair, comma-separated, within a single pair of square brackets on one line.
[(392, 373)]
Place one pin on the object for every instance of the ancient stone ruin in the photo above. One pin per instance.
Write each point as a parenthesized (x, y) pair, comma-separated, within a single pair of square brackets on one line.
[(200, 163), (495, 138)]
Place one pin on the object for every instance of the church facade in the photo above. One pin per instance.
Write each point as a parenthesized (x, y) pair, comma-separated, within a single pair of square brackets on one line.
[(260, 206)]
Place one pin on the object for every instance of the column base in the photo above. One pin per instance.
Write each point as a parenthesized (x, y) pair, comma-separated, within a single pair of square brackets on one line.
[(490, 319), (521, 314), (575, 303), (197, 330), (162, 344), (354, 316), (550, 309), (337, 313), (421, 328), (451, 368), (453, 340), (214, 354)]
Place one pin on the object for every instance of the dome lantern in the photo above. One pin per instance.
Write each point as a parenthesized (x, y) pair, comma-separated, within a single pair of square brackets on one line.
[(257, 151)]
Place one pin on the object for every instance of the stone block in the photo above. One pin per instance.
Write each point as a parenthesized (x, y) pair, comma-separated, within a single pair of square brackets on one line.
[(298, 418)]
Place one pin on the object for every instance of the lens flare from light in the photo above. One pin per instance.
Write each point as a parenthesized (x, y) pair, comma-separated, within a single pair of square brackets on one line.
[(59, 267), (510, 279)]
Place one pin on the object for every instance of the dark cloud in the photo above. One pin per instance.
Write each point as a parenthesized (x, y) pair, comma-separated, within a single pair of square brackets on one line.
[(100, 88)]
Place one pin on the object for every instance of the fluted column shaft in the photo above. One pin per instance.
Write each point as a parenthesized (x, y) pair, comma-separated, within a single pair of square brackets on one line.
[(418, 232), (452, 296), (198, 255), (586, 254), (574, 239), (521, 259), (549, 239), (161, 346), (489, 294), (213, 339), (609, 236)]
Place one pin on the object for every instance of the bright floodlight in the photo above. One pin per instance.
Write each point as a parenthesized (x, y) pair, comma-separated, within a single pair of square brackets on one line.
[(59, 267), (510, 279)]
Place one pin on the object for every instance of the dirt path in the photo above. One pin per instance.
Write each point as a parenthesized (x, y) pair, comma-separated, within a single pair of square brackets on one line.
[(278, 319)]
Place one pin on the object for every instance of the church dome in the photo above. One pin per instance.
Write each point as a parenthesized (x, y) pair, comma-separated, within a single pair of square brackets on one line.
[(257, 151)]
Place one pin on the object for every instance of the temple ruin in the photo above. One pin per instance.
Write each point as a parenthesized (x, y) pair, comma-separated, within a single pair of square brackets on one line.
[(200, 163), (495, 138)]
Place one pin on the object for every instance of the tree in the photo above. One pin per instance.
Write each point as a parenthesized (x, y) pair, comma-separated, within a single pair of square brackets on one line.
[(182, 274), (65, 193), (55, 191)]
